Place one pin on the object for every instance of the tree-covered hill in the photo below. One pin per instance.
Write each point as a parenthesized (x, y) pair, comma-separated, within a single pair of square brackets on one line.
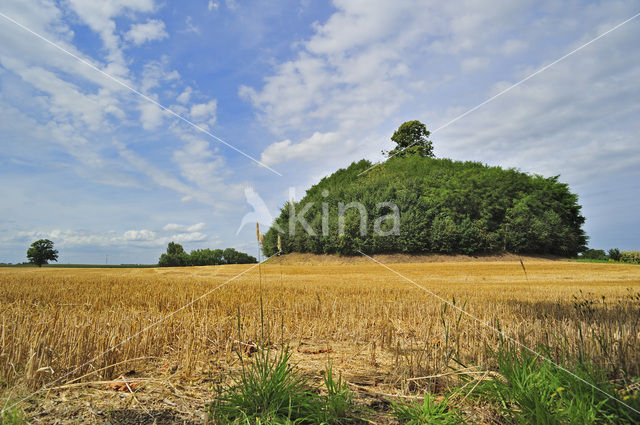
[(444, 206)]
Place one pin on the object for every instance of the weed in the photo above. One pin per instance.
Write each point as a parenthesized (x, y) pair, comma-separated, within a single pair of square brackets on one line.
[(12, 416), (530, 390), (430, 412), (339, 398), (269, 390)]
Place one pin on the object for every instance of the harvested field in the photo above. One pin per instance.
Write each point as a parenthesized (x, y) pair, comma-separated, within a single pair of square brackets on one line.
[(384, 334)]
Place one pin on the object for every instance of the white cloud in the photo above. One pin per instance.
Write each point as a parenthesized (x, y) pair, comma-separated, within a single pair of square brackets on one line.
[(474, 64), (185, 95), (189, 237), (363, 65), (198, 164), (306, 150), (163, 178), (577, 124), (190, 26), (204, 112), (64, 238), (152, 30), (155, 72), (151, 116), (67, 101), (173, 227), (73, 238), (44, 18), (373, 65), (212, 5), (99, 16), (75, 106), (513, 46), (139, 235), (201, 165)]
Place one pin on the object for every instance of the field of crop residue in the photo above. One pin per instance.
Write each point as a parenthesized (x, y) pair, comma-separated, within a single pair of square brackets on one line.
[(117, 346)]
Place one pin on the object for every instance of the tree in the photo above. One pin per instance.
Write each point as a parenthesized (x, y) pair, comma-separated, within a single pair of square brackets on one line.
[(41, 252), (174, 257), (175, 249), (206, 257), (231, 256), (614, 254), (594, 254), (411, 138)]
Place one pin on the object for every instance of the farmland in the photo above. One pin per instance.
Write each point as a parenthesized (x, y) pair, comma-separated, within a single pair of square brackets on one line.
[(383, 333)]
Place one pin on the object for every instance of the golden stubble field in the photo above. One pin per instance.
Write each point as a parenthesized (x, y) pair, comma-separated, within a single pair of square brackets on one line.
[(380, 331)]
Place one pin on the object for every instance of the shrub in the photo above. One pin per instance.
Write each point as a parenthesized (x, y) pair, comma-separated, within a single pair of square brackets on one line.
[(630, 256), (614, 254)]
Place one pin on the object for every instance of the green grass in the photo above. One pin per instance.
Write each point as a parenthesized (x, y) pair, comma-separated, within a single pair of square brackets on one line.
[(592, 260), (429, 412), (269, 390), (12, 417), (529, 390)]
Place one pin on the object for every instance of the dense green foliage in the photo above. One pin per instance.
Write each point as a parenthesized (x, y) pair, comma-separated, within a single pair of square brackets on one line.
[(206, 257), (231, 256), (444, 206), (177, 257), (41, 252)]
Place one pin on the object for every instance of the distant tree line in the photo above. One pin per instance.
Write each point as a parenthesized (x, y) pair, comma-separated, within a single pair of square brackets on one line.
[(176, 256), (613, 254)]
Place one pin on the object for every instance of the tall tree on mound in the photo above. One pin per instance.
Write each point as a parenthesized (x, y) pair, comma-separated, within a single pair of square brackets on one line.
[(411, 139), (415, 203)]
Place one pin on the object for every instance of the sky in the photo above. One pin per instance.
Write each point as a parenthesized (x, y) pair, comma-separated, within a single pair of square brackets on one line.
[(128, 124)]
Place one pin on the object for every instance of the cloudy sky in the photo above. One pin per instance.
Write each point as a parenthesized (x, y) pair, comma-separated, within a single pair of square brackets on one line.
[(90, 160)]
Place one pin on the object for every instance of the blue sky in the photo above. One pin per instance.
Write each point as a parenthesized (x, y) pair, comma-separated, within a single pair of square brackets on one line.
[(304, 88)]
